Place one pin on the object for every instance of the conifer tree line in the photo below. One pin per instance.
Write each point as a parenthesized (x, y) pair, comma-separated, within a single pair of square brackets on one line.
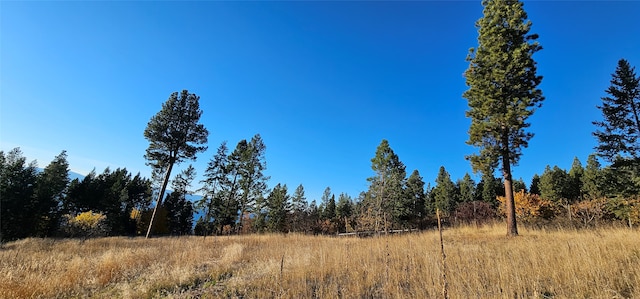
[(36, 203), (234, 197)]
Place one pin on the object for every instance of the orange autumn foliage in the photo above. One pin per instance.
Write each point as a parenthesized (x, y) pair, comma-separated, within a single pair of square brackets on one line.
[(588, 211), (528, 206)]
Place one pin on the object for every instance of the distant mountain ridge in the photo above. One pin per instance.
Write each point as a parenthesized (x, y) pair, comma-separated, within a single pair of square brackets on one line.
[(72, 175), (75, 175)]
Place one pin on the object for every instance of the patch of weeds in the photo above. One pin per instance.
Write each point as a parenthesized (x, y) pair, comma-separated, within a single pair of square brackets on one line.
[(210, 284), (197, 287), (635, 255), (547, 294), (225, 275), (182, 288)]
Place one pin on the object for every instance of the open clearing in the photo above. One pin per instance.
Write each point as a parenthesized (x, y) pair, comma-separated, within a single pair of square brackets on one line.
[(480, 263)]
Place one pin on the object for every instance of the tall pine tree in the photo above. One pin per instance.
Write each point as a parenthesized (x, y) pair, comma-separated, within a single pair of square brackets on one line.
[(174, 135), (502, 91), (249, 161), (416, 198), (298, 209), (219, 186), (619, 131), (386, 186)]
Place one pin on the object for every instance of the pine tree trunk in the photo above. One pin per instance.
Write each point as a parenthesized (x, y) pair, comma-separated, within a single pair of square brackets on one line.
[(231, 196), (159, 201), (637, 119), (379, 206), (512, 227)]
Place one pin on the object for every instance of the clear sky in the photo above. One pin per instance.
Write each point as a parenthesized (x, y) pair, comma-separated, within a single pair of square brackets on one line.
[(323, 82)]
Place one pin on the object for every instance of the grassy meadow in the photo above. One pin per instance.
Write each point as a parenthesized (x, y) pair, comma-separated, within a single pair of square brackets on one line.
[(480, 263)]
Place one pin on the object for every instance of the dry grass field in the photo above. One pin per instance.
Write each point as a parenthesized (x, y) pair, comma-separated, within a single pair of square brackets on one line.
[(480, 263)]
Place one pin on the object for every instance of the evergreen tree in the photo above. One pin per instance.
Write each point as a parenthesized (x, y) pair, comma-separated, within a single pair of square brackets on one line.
[(329, 211), (179, 208), (489, 189), (403, 208), (592, 178), (139, 197), (298, 200), (298, 209), (386, 186), (619, 133), (70, 204), (84, 195), (278, 209), (478, 194), (313, 219), (249, 160), (534, 188), (88, 194), (344, 212), (574, 188), (466, 188), (619, 139), (324, 203), (444, 193), (17, 188), (49, 194), (429, 203), (502, 91), (219, 186), (554, 184), (110, 189), (366, 215), (174, 135), (344, 207), (115, 194), (416, 197), (622, 179), (139, 189)]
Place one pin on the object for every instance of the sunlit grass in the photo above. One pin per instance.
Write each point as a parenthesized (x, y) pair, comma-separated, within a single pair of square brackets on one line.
[(481, 263)]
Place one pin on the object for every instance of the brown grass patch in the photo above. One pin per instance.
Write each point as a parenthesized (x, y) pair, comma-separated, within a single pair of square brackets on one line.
[(481, 263)]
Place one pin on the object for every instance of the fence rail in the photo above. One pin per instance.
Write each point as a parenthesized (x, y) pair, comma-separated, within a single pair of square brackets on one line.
[(372, 232)]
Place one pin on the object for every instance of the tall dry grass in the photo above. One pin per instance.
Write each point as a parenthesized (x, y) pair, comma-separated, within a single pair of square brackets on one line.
[(481, 263)]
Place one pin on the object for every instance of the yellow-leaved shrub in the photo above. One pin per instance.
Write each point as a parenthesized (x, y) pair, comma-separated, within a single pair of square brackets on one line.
[(528, 206), (86, 224)]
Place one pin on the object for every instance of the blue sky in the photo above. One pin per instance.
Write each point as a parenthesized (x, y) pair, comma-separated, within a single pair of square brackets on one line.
[(323, 82)]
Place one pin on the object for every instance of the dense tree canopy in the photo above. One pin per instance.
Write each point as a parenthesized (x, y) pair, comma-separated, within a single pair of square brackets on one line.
[(38, 203), (18, 181)]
